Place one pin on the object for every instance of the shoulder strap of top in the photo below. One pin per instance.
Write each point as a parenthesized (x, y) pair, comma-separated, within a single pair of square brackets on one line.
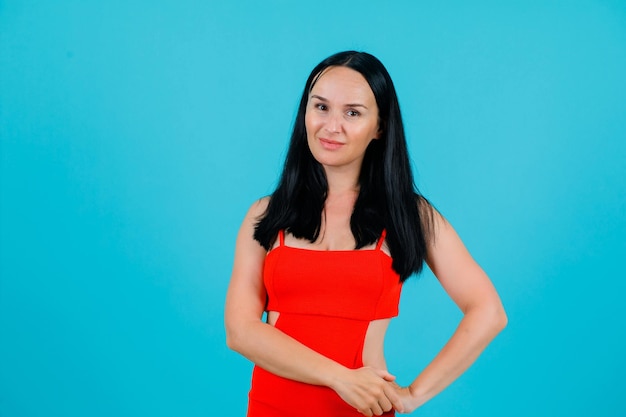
[(281, 237), (381, 239)]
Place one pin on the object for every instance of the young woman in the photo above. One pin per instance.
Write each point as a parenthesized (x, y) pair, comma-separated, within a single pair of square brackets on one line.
[(326, 255)]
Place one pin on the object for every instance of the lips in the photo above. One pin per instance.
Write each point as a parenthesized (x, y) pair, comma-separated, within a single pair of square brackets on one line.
[(330, 144)]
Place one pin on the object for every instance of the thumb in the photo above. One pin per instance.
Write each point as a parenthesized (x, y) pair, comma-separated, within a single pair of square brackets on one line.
[(385, 375)]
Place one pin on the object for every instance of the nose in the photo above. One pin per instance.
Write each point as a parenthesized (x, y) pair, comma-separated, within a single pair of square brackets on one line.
[(333, 123)]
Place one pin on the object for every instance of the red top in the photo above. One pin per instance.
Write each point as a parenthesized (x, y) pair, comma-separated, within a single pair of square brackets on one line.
[(326, 301), (354, 284)]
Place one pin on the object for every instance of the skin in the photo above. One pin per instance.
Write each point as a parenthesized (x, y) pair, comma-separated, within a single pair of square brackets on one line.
[(341, 120)]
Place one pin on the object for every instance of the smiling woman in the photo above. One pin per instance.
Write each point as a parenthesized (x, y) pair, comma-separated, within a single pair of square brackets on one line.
[(341, 118), (326, 255)]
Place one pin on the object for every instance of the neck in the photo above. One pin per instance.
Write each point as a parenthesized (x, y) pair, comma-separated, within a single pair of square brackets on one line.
[(341, 182)]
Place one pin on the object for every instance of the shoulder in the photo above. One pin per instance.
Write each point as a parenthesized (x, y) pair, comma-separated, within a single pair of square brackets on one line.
[(256, 213), (258, 209), (246, 237), (431, 219)]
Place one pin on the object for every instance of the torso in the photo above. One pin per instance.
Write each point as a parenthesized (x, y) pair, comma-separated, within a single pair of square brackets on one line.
[(373, 345), (332, 298)]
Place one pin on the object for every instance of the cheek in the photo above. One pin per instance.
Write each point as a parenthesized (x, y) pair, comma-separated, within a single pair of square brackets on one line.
[(367, 134), (374, 132), (309, 118), (310, 124)]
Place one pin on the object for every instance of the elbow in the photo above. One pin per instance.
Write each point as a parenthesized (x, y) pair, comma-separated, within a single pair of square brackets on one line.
[(500, 319), (503, 321), (239, 336), (231, 341), (491, 315), (233, 338)]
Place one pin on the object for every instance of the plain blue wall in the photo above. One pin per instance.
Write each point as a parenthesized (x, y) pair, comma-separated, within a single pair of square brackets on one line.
[(134, 136)]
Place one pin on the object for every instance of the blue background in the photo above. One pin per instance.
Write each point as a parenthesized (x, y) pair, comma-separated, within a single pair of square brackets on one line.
[(134, 136)]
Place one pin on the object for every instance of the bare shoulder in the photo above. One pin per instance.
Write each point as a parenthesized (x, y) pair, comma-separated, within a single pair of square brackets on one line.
[(438, 230), (256, 211), (249, 253), (258, 207), (431, 220), (441, 237), (254, 214)]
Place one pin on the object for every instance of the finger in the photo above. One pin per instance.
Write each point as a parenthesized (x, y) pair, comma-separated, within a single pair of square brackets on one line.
[(385, 404), (377, 410), (394, 398), (385, 375)]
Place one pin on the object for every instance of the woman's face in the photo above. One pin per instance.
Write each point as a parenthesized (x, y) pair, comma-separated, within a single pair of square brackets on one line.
[(341, 118)]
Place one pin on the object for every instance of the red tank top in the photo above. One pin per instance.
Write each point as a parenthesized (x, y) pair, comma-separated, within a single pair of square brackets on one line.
[(355, 284), (326, 300)]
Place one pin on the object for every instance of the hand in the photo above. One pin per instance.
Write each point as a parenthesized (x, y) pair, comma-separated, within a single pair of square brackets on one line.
[(409, 403), (369, 390)]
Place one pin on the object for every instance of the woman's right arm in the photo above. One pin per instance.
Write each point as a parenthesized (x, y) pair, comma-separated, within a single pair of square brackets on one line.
[(366, 389)]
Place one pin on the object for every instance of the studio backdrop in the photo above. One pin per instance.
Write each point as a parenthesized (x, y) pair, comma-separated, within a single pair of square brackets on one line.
[(135, 135)]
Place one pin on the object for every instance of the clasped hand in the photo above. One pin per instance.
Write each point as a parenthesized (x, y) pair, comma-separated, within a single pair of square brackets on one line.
[(372, 391)]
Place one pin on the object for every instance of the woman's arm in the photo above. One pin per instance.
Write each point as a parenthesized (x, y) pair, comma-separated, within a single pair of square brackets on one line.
[(366, 389), (483, 314)]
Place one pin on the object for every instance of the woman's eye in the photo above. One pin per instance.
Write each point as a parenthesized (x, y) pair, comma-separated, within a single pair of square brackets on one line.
[(353, 113), (321, 106)]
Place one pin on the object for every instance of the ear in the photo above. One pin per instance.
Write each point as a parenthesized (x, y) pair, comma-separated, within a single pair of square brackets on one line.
[(379, 132)]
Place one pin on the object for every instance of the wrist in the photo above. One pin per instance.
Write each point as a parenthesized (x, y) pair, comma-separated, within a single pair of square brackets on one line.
[(334, 377), (418, 395)]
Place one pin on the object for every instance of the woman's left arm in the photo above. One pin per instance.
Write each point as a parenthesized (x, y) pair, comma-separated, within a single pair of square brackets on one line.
[(483, 314)]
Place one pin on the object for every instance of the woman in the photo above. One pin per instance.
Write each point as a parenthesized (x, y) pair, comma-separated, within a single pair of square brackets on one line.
[(326, 254)]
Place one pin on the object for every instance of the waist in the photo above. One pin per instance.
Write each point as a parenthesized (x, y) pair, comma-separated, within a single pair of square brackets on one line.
[(337, 338), (272, 395)]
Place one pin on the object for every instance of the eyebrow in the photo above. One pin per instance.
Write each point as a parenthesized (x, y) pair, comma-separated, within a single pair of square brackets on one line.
[(347, 105)]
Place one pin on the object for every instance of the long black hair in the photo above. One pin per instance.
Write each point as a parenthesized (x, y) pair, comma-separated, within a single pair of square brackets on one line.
[(388, 198)]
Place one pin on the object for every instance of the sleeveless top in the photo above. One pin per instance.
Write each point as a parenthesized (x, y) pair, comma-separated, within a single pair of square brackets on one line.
[(326, 300), (354, 284)]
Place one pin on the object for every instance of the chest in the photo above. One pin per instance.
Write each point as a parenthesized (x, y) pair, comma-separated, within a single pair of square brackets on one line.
[(356, 284)]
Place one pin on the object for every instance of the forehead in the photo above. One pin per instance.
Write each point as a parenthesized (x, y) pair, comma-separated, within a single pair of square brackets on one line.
[(342, 83)]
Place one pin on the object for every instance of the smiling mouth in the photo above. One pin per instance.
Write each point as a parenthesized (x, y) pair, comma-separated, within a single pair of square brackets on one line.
[(330, 144)]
